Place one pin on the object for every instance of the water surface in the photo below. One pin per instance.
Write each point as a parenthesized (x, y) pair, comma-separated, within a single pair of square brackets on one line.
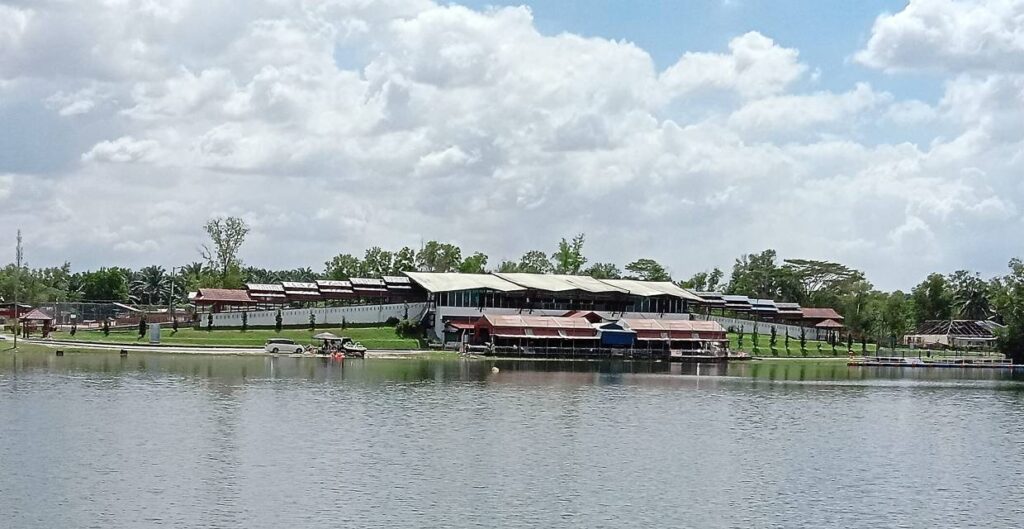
[(95, 440)]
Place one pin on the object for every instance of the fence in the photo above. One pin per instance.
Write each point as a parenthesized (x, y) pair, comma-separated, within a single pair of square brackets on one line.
[(763, 327), (323, 315)]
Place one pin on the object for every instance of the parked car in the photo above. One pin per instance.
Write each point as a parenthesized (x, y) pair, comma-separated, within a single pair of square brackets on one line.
[(282, 345)]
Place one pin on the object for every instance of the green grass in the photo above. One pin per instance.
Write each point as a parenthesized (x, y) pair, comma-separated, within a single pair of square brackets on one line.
[(374, 338), (793, 351)]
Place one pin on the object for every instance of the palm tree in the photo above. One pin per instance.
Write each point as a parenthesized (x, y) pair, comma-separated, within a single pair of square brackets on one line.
[(972, 303), (150, 284)]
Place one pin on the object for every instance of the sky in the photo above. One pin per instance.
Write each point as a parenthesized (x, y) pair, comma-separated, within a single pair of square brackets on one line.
[(885, 135)]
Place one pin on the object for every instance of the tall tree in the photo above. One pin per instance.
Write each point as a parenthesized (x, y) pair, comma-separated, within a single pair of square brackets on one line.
[(106, 284), (343, 266), (759, 276), (226, 236), (569, 258), (933, 299), (970, 295), (534, 262), (439, 257), (377, 262), (704, 281), (404, 261), (897, 316), (603, 271), (818, 283), (647, 270), (474, 264)]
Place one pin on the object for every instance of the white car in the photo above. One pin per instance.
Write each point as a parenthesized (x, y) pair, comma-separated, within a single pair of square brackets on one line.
[(3, 338), (282, 345)]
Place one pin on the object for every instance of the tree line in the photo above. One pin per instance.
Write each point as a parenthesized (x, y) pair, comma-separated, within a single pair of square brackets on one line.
[(869, 312)]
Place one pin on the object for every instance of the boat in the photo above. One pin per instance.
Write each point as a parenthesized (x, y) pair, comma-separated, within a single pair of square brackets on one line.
[(354, 349)]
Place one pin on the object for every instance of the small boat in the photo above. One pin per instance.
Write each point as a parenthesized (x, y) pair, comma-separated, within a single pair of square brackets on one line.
[(354, 349)]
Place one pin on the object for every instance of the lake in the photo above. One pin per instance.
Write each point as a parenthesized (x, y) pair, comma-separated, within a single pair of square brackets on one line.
[(95, 440)]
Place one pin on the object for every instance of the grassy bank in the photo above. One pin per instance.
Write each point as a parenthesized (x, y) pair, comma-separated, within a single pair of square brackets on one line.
[(374, 338), (793, 351)]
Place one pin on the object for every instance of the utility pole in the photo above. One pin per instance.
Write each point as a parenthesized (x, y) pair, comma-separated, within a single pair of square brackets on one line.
[(17, 287), (171, 301)]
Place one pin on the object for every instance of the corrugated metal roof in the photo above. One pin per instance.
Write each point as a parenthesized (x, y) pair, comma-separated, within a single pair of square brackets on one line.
[(367, 282), (558, 282), (673, 325), (333, 283), (816, 313), (294, 285), (396, 280), (736, 299), (223, 295), (264, 287), (545, 322), (651, 288), (450, 282)]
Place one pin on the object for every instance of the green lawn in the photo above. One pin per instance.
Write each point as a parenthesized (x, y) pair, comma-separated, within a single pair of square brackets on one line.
[(374, 338), (764, 349)]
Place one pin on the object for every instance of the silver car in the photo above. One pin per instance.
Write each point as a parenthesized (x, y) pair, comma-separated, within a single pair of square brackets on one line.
[(282, 345)]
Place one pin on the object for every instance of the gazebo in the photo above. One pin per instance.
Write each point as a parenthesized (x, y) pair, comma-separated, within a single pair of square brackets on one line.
[(34, 316), (830, 328)]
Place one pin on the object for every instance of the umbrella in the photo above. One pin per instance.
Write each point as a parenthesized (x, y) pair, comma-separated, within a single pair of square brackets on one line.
[(326, 336)]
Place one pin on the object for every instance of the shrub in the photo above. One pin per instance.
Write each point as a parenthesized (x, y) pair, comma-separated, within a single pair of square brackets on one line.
[(245, 321), (312, 321), (142, 326), (209, 322), (278, 321), (408, 329), (392, 321)]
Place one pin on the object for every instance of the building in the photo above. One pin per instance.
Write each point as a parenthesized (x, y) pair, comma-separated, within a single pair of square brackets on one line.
[(460, 299), (956, 334)]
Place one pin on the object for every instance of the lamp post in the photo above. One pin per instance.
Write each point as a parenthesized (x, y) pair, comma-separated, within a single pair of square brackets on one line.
[(17, 287)]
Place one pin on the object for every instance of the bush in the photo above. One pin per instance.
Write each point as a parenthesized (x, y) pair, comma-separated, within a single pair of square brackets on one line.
[(278, 321), (408, 329), (245, 321), (392, 321)]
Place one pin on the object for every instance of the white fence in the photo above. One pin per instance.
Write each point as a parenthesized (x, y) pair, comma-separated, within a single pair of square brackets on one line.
[(324, 315), (763, 327)]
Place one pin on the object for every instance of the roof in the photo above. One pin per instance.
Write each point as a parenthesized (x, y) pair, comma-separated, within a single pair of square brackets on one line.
[(397, 280), (729, 298), (651, 288), (367, 282), (959, 328), (36, 314), (638, 324), (559, 282), (817, 313), (829, 324), (537, 322), (222, 295), (450, 282), (264, 287), (295, 285), (332, 283)]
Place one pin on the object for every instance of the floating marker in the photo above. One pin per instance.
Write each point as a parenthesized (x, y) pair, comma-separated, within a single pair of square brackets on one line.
[(495, 369)]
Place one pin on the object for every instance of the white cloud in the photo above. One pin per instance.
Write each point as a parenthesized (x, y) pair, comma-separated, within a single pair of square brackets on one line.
[(755, 66), (949, 36), (125, 149), (340, 125)]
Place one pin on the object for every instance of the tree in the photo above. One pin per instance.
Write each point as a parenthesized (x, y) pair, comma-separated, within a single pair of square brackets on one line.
[(343, 266), (278, 320), (142, 326), (474, 264), (773, 340), (849, 342), (312, 321), (603, 271), (344, 323), (758, 276), (933, 299), (150, 285), (105, 284), (404, 261), (786, 342), (754, 338), (534, 262), (647, 270), (377, 262), (704, 281), (438, 257), (174, 326), (245, 321), (1008, 301), (818, 283), (803, 341), (209, 322), (569, 259), (739, 338), (897, 316), (970, 295), (226, 236)]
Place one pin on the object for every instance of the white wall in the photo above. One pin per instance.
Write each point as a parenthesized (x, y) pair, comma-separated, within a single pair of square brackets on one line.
[(763, 327), (324, 316)]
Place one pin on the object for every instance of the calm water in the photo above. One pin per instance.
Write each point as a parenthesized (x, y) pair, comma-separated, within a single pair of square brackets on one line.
[(93, 440)]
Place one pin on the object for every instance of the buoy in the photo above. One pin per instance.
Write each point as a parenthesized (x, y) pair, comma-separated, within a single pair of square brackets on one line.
[(60, 353), (124, 352), (495, 369)]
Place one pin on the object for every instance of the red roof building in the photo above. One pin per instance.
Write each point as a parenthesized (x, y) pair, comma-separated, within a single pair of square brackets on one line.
[(814, 316), (222, 299)]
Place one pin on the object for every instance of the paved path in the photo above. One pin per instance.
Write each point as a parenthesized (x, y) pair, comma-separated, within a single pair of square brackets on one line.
[(150, 348)]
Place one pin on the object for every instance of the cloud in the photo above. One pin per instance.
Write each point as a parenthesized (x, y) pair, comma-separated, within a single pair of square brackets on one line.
[(335, 126), (755, 66), (949, 36), (122, 150)]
